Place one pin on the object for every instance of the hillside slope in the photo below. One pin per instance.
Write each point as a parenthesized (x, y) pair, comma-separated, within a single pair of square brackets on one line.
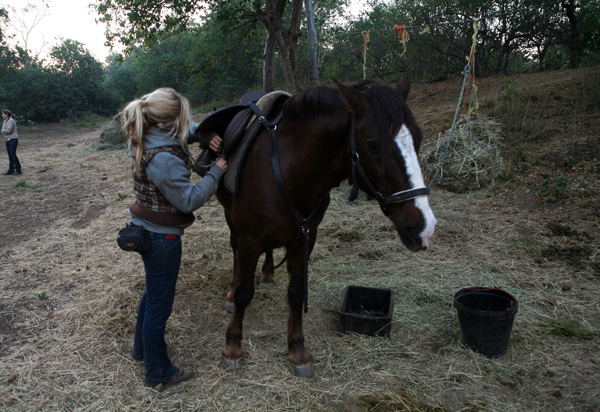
[(551, 146)]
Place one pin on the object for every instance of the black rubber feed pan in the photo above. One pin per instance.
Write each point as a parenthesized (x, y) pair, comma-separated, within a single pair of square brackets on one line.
[(367, 311)]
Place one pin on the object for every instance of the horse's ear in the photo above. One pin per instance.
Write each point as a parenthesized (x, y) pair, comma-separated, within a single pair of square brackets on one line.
[(403, 86), (357, 101)]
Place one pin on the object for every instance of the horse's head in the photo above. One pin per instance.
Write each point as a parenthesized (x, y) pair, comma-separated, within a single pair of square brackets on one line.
[(385, 142)]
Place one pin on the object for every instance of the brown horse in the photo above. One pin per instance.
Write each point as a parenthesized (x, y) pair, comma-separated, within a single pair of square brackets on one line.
[(324, 135)]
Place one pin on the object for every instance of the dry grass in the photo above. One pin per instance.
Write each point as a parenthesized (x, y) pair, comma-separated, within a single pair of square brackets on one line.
[(69, 299)]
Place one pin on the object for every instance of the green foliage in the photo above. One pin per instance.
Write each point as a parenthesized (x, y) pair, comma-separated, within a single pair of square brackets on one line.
[(567, 328), (513, 37), (22, 185), (92, 121), (222, 58), (8, 57), (205, 64), (69, 86), (553, 188), (138, 23), (510, 93)]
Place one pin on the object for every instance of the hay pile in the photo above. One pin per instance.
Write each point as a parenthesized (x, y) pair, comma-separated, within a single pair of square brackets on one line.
[(472, 159), (112, 136)]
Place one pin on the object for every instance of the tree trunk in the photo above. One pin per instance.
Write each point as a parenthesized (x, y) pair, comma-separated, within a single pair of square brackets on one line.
[(542, 52), (574, 51), (312, 42), (269, 64), (286, 38), (288, 47), (289, 62)]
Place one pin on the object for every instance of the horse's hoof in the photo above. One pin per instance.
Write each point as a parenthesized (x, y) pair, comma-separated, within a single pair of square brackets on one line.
[(230, 307), (302, 371), (231, 365), (265, 285)]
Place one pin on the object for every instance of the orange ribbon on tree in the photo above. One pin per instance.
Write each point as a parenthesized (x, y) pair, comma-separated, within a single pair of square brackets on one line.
[(402, 35)]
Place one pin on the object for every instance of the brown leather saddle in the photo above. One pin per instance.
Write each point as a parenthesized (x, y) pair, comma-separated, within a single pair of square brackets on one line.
[(237, 126)]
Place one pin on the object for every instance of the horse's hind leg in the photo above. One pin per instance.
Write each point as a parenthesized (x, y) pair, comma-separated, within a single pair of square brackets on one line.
[(268, 271), (243, 294)]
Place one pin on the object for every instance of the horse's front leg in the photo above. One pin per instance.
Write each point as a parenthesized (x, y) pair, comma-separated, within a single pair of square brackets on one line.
[(233, 240), (298, 356), (229, 305), (248, 255)]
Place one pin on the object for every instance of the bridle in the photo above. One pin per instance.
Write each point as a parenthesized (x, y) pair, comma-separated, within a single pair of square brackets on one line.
[(303, 222), (397, 197)]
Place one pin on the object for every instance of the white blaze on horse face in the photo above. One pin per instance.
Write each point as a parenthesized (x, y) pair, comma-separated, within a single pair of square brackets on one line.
[(404, 140)]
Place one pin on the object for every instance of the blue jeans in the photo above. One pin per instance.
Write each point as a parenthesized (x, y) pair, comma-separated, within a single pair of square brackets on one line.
[(11, 149), (161, 264)]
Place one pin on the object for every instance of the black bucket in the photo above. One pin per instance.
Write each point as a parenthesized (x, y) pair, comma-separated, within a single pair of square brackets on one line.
[(485, 319)]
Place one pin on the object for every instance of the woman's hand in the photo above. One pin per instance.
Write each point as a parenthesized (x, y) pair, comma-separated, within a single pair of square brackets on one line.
[(222, 163), (216, 144)]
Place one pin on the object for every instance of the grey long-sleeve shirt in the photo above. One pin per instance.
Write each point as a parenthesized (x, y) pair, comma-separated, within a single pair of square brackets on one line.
[(169, 174)]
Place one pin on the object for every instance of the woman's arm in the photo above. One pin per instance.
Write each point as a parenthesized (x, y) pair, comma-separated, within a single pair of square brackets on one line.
[(169, 174), (8, 126)]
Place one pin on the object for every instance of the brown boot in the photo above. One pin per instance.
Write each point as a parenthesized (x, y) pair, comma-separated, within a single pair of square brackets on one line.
[(180, 376)]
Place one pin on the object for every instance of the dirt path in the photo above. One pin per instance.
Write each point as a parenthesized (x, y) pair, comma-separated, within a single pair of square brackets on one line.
[(60, 181)]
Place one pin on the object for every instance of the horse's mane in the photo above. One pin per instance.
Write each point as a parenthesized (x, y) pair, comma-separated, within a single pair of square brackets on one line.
[(389, 110), (318, 100)]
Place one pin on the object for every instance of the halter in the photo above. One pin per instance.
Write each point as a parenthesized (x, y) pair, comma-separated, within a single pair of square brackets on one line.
[(397, 197)]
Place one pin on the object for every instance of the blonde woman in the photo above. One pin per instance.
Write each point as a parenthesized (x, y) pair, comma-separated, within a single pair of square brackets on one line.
[(158, 126), (9, 128)]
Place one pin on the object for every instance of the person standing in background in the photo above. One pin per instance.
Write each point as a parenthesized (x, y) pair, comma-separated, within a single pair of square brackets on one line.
[(9, 128)]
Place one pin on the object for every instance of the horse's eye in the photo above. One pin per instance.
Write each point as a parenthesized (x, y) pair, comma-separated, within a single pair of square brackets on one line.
[(373, 148)]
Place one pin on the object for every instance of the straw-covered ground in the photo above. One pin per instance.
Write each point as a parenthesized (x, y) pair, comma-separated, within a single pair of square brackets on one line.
[(68, 295)]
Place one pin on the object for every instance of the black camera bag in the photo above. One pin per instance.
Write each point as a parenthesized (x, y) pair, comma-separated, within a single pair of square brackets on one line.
[(132, 238)]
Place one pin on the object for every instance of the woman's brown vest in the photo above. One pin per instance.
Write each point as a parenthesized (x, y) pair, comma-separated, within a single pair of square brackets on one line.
[(151, 204)]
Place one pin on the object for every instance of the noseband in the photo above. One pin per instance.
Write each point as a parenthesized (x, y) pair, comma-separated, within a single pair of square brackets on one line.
[(397, 197)]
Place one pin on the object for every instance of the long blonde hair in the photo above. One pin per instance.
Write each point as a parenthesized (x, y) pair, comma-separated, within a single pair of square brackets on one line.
[(163, 108)]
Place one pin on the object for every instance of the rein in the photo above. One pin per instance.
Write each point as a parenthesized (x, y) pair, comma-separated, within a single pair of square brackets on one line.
[(397, 197), (302, 222)]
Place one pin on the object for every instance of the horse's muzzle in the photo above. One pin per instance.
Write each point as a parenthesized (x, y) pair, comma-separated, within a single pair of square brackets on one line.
[(416, 234)]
